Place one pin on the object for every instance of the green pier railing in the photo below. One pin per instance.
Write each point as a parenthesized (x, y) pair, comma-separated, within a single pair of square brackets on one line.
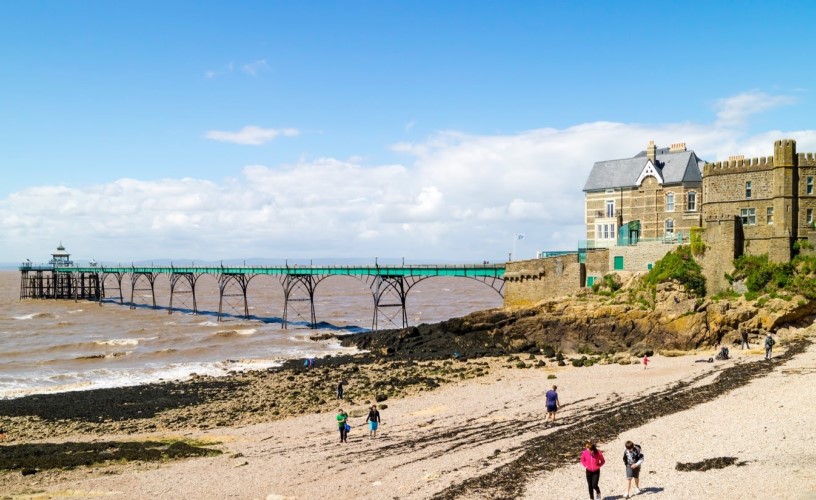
[(455, 270)]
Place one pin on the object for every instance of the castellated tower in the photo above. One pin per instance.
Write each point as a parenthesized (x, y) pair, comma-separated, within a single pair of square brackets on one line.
[(770, 200), (785, 201)]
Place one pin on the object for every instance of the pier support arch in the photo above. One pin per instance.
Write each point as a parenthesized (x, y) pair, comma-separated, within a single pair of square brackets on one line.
[(390, 294), (184, 285), (232, 290), (299, 288), (116, 276), (142, 282)]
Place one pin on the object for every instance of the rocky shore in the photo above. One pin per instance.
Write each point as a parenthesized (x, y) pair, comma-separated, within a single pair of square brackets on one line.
[(595, 324), (399, 364)]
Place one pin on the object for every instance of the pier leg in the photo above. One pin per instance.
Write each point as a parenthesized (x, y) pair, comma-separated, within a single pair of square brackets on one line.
[(299, 288), (118, 277), (185, 285), (231, 286), (390, 293), (142, 282)]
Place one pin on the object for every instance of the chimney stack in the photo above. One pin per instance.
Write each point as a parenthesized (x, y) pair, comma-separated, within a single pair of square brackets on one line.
[(651, 151), (678, 147)]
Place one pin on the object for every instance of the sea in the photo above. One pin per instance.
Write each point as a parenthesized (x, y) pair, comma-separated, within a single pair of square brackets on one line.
[(49, 346)]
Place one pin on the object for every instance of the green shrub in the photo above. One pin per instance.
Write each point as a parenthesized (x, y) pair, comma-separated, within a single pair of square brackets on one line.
[(678, 265), (612, 282), (696, 241), (762, 275)]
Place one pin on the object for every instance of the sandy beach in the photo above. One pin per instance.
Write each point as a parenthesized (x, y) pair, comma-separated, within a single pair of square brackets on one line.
[(485, 437)]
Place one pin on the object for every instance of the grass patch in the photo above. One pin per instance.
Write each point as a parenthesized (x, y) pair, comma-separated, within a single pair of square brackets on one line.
[(673, 353)]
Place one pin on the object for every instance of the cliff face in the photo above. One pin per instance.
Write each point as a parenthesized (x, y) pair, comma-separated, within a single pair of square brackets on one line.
[(591, 323)]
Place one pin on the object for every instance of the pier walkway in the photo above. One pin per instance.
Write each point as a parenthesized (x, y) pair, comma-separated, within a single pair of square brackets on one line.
[(389, 285)]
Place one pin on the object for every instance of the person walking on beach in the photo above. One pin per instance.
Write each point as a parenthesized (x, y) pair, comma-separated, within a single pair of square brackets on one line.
[(633, 459), (373, 421), (645, 361), (340, 390), (769, 343), (745, 344), (342, 425), (592, 459), (552, 404)]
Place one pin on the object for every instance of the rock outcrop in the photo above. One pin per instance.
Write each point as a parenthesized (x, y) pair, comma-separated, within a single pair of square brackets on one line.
[(590, 323)]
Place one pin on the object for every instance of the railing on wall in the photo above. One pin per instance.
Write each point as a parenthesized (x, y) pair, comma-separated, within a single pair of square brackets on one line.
[(677, 238)]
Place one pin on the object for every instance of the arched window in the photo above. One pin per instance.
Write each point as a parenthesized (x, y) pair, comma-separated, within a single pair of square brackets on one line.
[(670, 202), (669, 228)]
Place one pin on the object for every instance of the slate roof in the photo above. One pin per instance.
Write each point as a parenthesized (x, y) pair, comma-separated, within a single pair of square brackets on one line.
[(676, 168)]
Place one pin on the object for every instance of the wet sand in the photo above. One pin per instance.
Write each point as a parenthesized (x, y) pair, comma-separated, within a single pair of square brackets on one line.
[(479, 436)]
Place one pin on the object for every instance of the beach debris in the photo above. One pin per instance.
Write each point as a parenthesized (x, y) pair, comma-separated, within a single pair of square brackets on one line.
[(708, 464)]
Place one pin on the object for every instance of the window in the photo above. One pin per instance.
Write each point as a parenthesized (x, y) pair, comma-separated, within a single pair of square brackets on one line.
[(747, 189), (810, 216), (669, 226), (691, 206), (748, 216), (810, 185), (610, 208), (605, 232), (769, 216), (670, 202)]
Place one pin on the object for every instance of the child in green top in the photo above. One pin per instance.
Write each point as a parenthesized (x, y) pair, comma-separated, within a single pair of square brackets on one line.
[(342, 419)]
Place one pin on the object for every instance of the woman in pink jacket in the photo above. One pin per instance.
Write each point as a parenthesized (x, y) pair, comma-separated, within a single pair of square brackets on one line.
[(592, 459)]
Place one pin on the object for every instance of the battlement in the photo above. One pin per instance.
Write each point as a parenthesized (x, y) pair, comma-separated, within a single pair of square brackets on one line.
[(738, 164), (807, 159), (784, 152)]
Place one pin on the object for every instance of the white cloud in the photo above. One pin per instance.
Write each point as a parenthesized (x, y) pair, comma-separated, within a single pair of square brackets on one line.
[(251, 135), (212, 73), (457, 196), (255, 67), (735, 110)]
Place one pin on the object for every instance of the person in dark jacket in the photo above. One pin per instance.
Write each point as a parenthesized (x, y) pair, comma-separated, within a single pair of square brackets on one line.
[(373, 420), (633, 459), (769, 343)]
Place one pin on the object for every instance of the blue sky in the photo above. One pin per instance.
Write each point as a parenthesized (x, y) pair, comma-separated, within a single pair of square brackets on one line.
[(430, 130)]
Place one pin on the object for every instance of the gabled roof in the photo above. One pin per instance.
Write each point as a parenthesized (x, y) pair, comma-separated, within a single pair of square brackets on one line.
[(675, 168)]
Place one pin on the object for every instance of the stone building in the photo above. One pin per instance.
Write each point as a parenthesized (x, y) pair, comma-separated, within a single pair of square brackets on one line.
[(773, 199), (530, 281), (654, 196)]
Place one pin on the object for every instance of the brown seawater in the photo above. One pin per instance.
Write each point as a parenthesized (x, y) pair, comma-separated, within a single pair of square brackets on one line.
[(64, 345)]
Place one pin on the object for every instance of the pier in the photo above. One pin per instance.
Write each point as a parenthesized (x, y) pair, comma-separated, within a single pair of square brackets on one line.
[(389, 285)]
